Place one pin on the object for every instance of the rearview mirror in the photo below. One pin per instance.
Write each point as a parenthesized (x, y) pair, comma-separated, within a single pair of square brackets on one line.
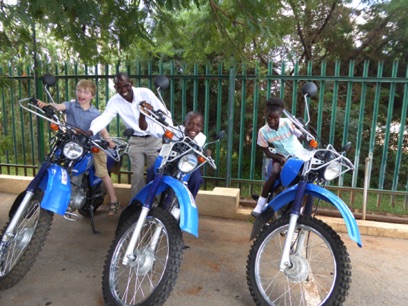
[(220, 135), (309, 89), (48, 79), (161, 82), (347, 147)]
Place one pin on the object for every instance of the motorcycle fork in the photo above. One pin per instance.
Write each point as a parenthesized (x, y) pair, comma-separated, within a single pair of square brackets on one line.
[(147, 205), (9, 232), (294, 216)]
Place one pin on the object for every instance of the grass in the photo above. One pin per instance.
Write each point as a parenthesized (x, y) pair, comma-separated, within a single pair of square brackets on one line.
[(377, 203)]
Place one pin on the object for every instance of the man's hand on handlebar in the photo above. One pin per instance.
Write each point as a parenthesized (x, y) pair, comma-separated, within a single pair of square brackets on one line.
[(112, 145), (146, 105)]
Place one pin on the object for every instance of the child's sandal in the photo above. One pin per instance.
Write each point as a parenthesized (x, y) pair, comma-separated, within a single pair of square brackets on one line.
[(113, 208)]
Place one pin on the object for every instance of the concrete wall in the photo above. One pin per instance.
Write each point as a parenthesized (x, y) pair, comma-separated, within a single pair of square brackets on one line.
[(219, 202)]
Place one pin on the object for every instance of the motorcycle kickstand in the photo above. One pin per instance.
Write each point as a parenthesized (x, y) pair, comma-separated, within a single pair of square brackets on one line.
[(91, 216)]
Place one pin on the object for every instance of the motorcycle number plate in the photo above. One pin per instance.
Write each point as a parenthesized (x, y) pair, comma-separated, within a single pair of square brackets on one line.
[(165, 150)]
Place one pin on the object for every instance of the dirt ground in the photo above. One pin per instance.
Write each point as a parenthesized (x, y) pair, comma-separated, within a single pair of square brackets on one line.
[(69, 269)]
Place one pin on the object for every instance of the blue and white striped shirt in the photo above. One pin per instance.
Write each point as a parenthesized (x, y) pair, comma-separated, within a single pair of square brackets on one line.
[(284, 139)]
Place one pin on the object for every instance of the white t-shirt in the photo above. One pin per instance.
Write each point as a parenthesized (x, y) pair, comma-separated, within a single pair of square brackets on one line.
[(129, 113)]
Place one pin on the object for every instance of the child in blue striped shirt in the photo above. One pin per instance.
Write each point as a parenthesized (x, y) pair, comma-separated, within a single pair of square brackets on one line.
[(283, 136)]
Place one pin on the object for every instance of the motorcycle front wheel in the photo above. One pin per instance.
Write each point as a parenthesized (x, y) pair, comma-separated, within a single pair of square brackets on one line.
[(320, 271), (19, 253), (149, 278)]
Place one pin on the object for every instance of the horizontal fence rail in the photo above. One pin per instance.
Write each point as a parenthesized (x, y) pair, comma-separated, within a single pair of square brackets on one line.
[(366, 104)]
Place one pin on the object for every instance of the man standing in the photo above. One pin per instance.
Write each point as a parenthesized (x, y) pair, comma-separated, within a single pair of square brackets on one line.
[(147, 138)]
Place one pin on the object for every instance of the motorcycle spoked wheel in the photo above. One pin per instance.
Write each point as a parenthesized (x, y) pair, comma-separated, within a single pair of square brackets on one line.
[(320, 272), (149, 279), (30, 235)]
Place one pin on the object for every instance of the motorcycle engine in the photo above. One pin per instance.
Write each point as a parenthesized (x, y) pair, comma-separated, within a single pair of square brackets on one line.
[(78, 194)]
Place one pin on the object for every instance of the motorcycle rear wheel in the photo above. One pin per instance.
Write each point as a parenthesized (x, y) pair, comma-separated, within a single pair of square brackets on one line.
[(22, 250), (149, 279), (320, 272)]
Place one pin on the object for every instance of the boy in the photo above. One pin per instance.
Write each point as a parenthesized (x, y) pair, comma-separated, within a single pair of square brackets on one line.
[(193, 125), (80, 113), (282, 134)]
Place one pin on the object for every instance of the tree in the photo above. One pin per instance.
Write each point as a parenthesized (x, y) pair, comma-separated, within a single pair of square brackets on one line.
[(202, 31), (93, 30)]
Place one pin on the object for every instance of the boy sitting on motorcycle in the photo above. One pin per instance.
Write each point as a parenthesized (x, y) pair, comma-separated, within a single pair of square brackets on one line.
[(80, 114), (193, 125), (283, 136)]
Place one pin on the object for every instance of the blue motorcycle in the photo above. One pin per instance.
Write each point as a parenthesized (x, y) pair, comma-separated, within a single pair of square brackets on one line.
[(296, 259), (65, 183), (145, 257)]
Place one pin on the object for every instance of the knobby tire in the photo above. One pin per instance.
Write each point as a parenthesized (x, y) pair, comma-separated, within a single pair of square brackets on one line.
[(326, 274), (153, 273), (33, 247)]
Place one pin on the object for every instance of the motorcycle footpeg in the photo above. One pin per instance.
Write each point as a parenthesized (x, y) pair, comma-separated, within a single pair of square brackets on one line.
[(71, 217)]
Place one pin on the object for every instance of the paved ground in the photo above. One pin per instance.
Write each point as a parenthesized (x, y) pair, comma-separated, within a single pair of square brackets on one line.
[(68, 270)]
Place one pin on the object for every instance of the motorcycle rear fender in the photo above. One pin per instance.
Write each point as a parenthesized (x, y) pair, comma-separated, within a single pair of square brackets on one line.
[(188, 208), (57, 191), (288, 195)]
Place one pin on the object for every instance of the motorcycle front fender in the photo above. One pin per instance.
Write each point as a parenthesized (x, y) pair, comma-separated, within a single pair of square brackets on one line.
[(288, 195), (57, 193), (188, 208)]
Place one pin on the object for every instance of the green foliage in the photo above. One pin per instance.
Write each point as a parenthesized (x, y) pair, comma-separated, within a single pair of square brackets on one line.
[(203, 31)]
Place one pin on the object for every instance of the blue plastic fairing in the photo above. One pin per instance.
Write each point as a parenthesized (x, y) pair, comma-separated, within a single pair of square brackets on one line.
[(290, 171), (57, 191), (188, 208), (288, 195), (82, 165)]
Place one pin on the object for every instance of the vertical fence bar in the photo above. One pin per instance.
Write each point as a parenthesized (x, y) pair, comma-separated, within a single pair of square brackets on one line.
[(172, 86), (183, 93), (22, 123), (360, 127), (255, 125), (295, 89), (206, 99), (231, 95), (195, 89), (321, 99), (334, 103), (13, 119), (269, 81), (398, 158), (348, 103), (219, 114), (347, 117), (5, 126), (242, 120), (383, 167), (377, 96), (97, 83), (32, 138)]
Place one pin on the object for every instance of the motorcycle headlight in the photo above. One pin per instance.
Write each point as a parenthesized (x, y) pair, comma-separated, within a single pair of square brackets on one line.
[(72, 150), (187, 163), (332, 171)]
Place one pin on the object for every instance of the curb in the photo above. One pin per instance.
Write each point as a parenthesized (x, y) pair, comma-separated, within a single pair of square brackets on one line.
[(366, 227)]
